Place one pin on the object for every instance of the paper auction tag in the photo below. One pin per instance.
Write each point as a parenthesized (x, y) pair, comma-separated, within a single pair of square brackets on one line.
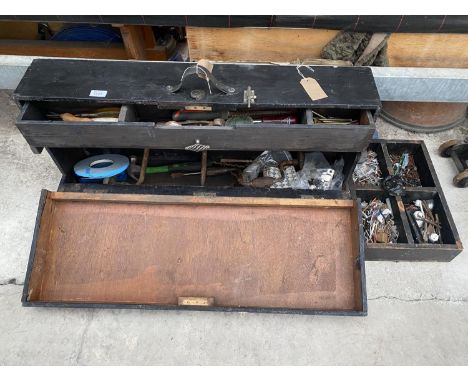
[(313, 88)]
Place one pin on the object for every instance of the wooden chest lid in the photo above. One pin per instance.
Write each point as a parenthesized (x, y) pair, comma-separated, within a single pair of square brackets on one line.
[(298, 255), (276, 86)]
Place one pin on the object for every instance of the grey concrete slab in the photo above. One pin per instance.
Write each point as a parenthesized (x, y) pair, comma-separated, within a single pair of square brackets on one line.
[(395, 332), (12, 69), (418, 312), (23, 175)]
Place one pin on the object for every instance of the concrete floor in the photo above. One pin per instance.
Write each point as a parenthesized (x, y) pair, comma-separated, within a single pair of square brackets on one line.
[(418, 312)]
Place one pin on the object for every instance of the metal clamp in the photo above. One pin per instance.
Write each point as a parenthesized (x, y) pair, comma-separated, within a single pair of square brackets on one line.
[(196, 69), (249, 96)]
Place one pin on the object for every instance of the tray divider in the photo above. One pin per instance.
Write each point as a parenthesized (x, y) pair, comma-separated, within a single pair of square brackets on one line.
[(404, 220), (388, 162)]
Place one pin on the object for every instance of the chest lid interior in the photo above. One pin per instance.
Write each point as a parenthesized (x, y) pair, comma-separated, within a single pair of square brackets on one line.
[(186, 252)]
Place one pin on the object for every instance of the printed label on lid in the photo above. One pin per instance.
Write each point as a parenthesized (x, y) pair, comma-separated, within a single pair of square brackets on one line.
[(98, 93)]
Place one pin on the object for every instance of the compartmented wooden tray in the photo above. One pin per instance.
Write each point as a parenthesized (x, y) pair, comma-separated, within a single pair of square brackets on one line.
[(407, 248)]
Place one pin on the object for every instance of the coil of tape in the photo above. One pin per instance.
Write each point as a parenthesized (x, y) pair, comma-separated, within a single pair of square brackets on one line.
[(101, 166)]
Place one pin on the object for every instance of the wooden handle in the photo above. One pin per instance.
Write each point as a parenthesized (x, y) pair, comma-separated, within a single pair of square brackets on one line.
[(71, 118)]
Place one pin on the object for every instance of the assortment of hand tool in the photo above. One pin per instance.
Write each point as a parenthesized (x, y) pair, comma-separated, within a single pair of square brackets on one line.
[(367, 170), (271, 169), (425, 224), (108, 114), (203, 117), (230, 118), (378, 221), (319, 118)]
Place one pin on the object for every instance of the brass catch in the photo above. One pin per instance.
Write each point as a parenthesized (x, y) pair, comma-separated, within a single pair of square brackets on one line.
[(196, 301)]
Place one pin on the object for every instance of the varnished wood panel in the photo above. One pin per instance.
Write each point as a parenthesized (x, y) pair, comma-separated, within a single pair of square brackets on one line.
[(275, 253)]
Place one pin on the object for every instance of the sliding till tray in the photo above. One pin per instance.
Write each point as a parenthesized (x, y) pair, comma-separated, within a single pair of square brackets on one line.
[(154, 251), (143, 87)]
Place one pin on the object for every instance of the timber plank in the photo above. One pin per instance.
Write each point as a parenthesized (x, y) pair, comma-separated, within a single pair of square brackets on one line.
[(441, 50), (100, 50)]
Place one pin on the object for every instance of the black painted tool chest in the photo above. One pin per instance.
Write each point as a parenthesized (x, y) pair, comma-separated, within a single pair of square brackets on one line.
[(294, 251)]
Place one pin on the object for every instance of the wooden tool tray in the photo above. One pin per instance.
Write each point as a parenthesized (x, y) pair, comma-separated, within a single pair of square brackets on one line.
[(407, 249), (141, 90)]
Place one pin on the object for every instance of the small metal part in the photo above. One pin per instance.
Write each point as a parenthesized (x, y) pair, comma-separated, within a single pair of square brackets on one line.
[(195, 301), (368, 171), (209, 172), (227, 160), (197, 147), (272, 172), (204, 161), (404, 166), (233, 163), (389, 205), (428, 228), (290, 177), (438, 228), (144, 164), (433, 237), (198, 94), (418, 215), (378, 222), (198, 108), (394, 185), (249, 96), (414, 227), (133, 168)]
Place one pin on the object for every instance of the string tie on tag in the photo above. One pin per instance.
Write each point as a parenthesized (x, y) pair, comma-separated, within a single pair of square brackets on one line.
[(305, 66)]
